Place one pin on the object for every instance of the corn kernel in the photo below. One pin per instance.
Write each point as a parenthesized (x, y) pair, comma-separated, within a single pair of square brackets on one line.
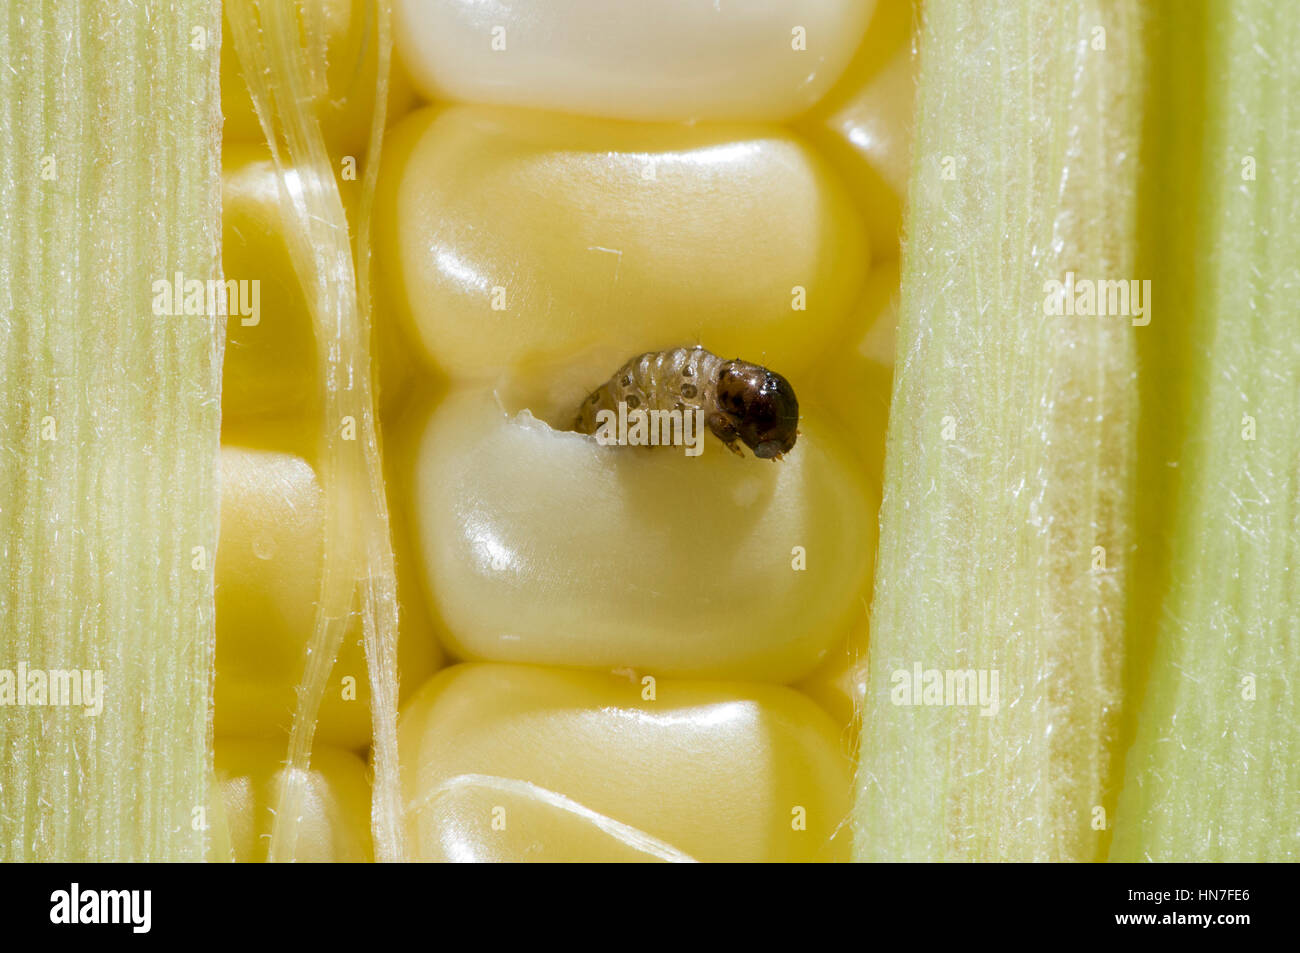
[(636, 59), (335, 826), (839, 685), (519, 241), (513, 763), (867, 136), (542, 546), (270, 364), (268, 577), (345, 106), (855, 378)]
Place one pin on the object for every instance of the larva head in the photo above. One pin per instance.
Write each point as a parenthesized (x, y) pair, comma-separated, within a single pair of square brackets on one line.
[(761, 405)]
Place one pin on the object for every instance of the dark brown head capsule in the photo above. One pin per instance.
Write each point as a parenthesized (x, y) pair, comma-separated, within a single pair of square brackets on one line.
[(761, 405)]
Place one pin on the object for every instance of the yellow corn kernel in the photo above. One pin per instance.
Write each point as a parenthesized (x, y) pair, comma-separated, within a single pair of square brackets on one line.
[(514, 763), (854, 381), (345, 106), (269, 375), (543, 546), (854, 388), (635, 59), (270, 364), (839, 684), (864, 126), (335, 825), (268, 572), (513, 240)]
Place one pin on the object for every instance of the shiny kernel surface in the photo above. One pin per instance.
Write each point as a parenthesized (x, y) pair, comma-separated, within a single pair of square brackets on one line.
[(868, 139), (634, 59), (344, 102), (335, 825), (270, 363), (268, 578), (514, 763), (545, 547), (269, 558), (517, 241)]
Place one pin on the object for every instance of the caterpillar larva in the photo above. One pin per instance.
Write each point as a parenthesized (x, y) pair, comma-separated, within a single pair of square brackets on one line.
[(739, 400)]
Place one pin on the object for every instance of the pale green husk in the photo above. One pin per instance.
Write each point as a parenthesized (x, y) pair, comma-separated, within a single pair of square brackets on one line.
[(1011, 440), (109, 418), (1214, 774)]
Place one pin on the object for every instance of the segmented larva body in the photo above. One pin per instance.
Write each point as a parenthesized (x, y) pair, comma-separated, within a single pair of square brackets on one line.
[(740, 401), (683, 378)]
